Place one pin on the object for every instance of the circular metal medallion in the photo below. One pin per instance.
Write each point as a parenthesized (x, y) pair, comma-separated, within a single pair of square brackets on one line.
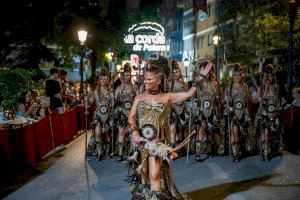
[(206, 104), (179, 104), (238, 105), (271, 108), (149, 131), (127, 105), (103, 109)]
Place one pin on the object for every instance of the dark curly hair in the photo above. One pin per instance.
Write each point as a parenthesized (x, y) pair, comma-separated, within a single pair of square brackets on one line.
[(159, 65)]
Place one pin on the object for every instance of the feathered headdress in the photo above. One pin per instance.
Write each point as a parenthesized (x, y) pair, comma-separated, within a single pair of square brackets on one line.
[(159, 61)]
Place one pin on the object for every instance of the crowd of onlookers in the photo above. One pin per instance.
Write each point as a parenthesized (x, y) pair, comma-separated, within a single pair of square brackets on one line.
[(59, 96)]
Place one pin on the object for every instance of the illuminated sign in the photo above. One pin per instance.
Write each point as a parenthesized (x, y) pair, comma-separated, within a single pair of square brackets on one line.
[(147, 42)]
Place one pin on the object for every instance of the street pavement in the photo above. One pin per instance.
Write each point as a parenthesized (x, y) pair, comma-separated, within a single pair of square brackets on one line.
[(70, 177)]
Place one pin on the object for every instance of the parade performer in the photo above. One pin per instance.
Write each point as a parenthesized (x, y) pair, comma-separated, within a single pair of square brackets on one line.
[(100, 140), (177, 84), (268, 116), (237, 96), (124, 96), (152, 177), (209, 135)]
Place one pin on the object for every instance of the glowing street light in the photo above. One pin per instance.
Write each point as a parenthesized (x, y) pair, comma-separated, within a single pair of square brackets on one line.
[(216, 40), (82, 35), (186, 63)]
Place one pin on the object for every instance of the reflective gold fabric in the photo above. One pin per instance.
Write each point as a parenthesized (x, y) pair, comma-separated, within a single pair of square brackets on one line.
[(103, 102), (239, 100), (207, 100), (179, 87), (156, 115), (126, 98), (271, 102)]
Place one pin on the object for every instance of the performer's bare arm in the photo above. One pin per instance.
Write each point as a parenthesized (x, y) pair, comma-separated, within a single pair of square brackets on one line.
[(132, 118), (182, 96)]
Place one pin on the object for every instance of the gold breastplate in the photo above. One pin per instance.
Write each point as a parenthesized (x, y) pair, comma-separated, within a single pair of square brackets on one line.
[(126, 98), (239, 102), (103, 102), (153, 120), (206, 100), (179, 87), (271, 104)]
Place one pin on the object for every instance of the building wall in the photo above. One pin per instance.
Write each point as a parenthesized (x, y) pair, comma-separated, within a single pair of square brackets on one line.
[(205, 29)]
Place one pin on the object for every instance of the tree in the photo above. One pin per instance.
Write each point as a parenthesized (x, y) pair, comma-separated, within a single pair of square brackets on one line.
[(259, 27), (22, 28)]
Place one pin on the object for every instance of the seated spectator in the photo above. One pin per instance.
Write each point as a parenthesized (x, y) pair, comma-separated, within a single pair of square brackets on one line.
[(26, 107), (35, 95)]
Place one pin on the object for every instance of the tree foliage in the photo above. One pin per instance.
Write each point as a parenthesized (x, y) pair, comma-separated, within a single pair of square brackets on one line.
[(257, 29), (22, 82)]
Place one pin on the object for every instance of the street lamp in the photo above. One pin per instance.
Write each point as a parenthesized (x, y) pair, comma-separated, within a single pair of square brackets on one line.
[(82, 34), (216, 40), (186, 63)]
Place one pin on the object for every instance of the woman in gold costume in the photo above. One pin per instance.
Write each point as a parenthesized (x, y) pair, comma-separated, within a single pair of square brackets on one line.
[(270, 130), (209, 135), (124, 96), (237, 96), (150, 131), (177, 84), (99, 144)]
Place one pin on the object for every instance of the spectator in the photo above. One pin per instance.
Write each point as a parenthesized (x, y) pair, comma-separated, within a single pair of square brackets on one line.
[(54, 91), (26, 106), (296, 97), (67, 97)]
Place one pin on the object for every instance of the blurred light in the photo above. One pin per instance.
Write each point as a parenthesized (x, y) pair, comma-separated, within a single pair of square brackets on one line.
[(216, 39), (186, 62), (82, 34)]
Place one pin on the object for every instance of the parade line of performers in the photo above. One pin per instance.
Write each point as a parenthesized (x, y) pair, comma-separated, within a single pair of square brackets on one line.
[(149, 124)]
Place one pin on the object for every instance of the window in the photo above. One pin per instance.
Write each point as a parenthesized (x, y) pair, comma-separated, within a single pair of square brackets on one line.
[(210, 39), (209, 10), (202, 16), (201, 42)]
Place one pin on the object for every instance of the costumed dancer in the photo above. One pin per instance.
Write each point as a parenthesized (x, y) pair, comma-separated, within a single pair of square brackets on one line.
[(177, 119), (268, 116), (99, 143), (237, 96), (124, 96), (151, 174), (208, 96)]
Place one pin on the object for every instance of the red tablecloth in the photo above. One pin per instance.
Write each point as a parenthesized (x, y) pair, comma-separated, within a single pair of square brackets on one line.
[(27, 145), (6, 148), (44, 137)]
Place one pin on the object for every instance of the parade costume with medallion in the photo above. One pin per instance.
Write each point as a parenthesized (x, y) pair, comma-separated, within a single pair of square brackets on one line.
[(99, 145), (239, 118), (125, 94), (210, 137), (151, 121), (178, 112), (269, 116)]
